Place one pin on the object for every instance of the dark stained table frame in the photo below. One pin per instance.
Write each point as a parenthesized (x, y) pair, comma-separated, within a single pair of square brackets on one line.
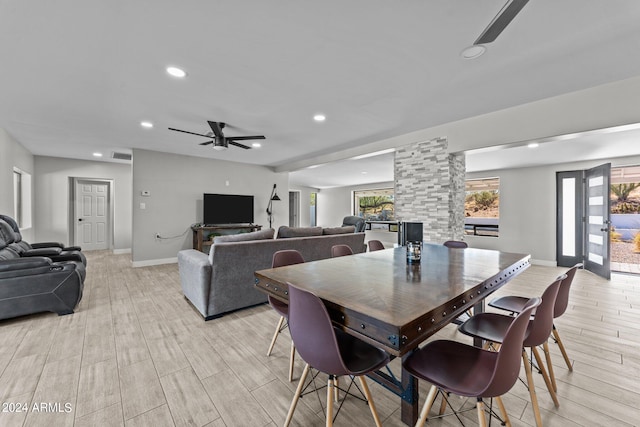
[(381, 299)]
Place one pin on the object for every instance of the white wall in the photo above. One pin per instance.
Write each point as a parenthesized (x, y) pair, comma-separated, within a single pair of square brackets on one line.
[(528, 208), (52, 206), (13, 154), (177, 183)]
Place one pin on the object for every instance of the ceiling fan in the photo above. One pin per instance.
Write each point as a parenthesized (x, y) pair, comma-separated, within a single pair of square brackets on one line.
[(221, 142), (501, 20)]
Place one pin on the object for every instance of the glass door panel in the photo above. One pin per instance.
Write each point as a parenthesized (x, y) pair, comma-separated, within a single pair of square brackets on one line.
[(598, 223), (569, 244)]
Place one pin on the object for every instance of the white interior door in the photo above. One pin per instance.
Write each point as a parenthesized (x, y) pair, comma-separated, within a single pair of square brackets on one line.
[(92, 214), (598, 202)]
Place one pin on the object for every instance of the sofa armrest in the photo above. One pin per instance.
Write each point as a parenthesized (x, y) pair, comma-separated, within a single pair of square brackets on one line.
[(46, 245), (23, 263), (195, 278), (48, 252)]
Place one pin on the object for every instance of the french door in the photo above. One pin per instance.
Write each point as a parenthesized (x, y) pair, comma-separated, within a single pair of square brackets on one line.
[(583, 219)]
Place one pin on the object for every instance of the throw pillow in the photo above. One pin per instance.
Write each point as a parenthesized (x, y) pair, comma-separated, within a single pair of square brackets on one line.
[(339, 230), (286, 232), (243, 237)]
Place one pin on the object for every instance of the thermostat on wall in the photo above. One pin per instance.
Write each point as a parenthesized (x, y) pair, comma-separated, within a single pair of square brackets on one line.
[(145, 193)]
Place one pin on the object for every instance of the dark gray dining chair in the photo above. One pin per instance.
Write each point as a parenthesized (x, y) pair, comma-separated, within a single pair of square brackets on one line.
[(469, 371), (492, 327), (328, 350), (375, 245), (340, 250), (281, 259)]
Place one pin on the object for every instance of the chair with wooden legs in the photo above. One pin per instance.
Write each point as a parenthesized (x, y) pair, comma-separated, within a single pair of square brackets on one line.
[(469, 371), (340, 250), (375, 245), (514, 304), (328, 350), (492, 328), (281, 259)]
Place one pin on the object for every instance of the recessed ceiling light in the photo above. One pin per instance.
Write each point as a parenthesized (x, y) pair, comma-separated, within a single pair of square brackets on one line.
[(176, 72), (256, 145), (147, 125), (363, 173), (473, 51), (533, 145), (97, 154), (319, 117)]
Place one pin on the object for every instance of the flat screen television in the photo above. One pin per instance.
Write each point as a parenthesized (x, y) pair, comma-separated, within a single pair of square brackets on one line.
[(227, 209)]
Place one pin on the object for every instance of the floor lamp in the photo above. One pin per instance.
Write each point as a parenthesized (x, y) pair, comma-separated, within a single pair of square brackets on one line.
[(274, 197)]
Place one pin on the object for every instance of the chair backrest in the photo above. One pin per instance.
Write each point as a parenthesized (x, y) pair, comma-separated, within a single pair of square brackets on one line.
[(375, 245), (562, 300), (312, 332), (340, 250), (508, 362), (455, 244), (18, 245), (542, 323), (286, 257), (356, 221)]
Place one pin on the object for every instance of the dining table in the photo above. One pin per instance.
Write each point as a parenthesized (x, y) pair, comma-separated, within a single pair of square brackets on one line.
[(386, 300)]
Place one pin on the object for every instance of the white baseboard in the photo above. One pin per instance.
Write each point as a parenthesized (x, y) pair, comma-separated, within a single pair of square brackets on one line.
[(122, 251), (152, 262), (544, 263)]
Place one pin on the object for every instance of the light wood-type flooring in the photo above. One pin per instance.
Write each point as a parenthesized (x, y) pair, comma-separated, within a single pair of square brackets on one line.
[(136, 353)]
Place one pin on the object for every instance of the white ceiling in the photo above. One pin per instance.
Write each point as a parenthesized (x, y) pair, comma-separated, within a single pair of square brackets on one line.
[(79, 76)]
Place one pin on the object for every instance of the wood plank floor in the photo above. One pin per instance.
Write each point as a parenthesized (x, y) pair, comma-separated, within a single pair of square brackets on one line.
[(136, 353)]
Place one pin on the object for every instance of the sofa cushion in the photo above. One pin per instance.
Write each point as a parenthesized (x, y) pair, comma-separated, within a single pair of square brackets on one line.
[(243, 237), (285, 232), (339, 230)]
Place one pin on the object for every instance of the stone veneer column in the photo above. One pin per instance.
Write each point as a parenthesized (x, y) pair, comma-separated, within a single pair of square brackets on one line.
[(429, 188)]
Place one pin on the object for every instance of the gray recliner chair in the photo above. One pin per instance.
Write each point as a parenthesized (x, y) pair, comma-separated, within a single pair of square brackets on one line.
[(356, 221), (54, 250), (35, 284)]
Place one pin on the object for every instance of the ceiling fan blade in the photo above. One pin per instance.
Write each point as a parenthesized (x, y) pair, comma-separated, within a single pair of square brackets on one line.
[(501, 20), (244, 138), (190, 133), (206, 143), (237, 144), (216, 127)]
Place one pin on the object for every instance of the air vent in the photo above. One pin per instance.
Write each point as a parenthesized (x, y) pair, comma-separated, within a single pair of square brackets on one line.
[(120, 156)]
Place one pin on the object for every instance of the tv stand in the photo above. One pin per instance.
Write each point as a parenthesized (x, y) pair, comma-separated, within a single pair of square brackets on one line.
[(203, 234)]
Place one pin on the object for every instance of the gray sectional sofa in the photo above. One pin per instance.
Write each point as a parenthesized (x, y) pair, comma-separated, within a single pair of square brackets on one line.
[(223, 281)]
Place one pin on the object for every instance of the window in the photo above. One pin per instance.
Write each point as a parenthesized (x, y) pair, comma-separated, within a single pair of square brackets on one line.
[(374, 205), (22, 198), (314, 210), (482, 207)]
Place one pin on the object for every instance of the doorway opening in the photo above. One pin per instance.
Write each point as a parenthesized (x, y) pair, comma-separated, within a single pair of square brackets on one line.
[(625, 219)]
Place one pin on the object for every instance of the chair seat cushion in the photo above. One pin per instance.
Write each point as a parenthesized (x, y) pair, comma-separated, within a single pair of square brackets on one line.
[(453, 366), (488, 326), (510, 303)]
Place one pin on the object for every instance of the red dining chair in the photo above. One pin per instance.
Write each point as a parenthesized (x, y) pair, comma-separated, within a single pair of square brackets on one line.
[(375, 245), (514, 304), (280, 259), (340, 250), (456, 244), (469, 371), (492, 328), (328, 350)]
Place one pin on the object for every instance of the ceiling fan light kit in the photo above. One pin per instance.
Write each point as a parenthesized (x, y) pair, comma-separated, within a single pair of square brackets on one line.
[(219, 141)]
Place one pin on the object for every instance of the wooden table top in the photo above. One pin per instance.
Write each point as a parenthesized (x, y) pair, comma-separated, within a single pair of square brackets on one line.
[(379, 297)]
